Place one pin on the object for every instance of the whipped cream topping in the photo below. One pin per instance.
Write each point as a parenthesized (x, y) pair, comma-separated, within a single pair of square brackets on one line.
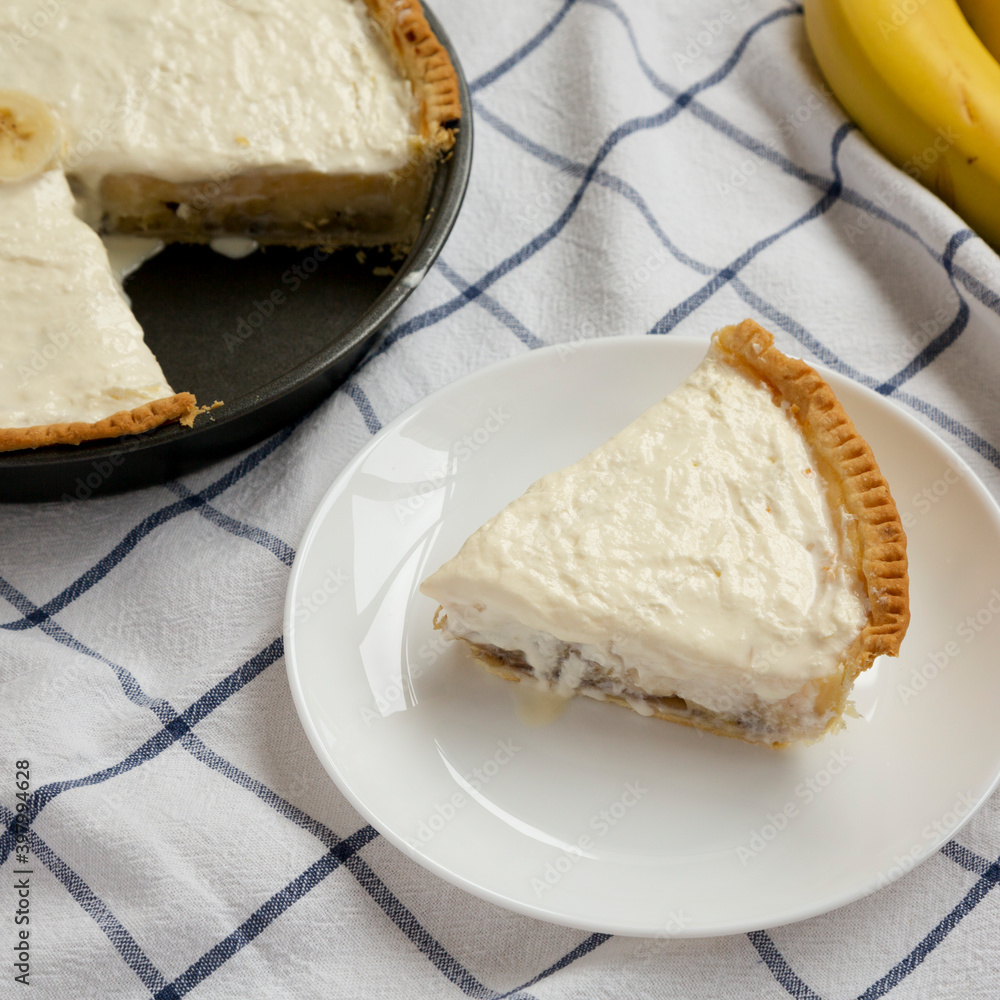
[(70, 348), (695, 553), (187, 90)]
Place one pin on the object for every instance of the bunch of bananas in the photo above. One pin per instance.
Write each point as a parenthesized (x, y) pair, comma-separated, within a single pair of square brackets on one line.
[(925, 88)]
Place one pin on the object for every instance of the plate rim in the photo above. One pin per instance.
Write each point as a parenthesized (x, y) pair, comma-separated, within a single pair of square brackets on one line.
[(519, 905)]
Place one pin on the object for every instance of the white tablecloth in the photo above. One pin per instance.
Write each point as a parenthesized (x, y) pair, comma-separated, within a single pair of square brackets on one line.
[(657, 167)]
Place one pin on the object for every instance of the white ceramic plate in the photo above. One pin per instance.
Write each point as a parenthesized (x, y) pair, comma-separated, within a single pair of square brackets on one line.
[(602, 819)]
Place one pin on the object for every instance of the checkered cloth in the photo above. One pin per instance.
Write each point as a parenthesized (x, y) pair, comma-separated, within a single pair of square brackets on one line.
[(650, 167)]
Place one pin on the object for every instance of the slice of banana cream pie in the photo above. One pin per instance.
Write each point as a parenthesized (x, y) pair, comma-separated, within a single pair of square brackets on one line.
[(73, 364), (731, 560), (313, 123)]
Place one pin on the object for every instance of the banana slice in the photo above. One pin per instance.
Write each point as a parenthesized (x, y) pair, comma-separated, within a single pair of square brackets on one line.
[(30, 136)]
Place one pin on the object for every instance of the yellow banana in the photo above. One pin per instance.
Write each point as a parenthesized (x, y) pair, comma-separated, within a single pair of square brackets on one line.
[(984, 16), (926, 91)]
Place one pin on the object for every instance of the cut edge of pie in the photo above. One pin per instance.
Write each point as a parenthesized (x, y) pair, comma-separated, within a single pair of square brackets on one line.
[(180, 407), (312, 208), (875, 533)]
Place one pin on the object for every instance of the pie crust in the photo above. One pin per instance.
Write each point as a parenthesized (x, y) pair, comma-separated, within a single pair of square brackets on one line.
[(426, 63), (875, 533), (181, 407), (853, 479)]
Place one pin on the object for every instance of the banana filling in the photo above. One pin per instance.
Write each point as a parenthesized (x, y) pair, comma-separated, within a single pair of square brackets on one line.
[(737, 710)]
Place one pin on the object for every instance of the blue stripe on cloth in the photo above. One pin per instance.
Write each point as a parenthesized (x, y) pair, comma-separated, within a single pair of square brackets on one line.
[(986, 295), (602, 177), (99, 570), (986, 882), (583, 948), (429, 946), (964, 434), (780, 969), (172, 731), (485, 79), (425, 942), (965, 858), (46, 793), (542, 239), (795, 329), (130, 686), (116, 933), (950, 335), (261, 918), (711, 118), (231, 683), (94, 907), (614, 183), (657, 82), (766, 309), (695, 301), (133, 956), (802, 335), (259, 536), (365, 408), (729, 130), (493, 307), (611, 182), (197, 748)]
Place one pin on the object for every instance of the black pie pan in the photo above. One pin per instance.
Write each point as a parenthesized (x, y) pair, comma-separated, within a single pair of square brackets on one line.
[(217, 332)]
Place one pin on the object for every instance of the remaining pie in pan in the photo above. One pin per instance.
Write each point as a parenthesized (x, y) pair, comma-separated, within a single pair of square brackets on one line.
[(313, 123), (731, 560)]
